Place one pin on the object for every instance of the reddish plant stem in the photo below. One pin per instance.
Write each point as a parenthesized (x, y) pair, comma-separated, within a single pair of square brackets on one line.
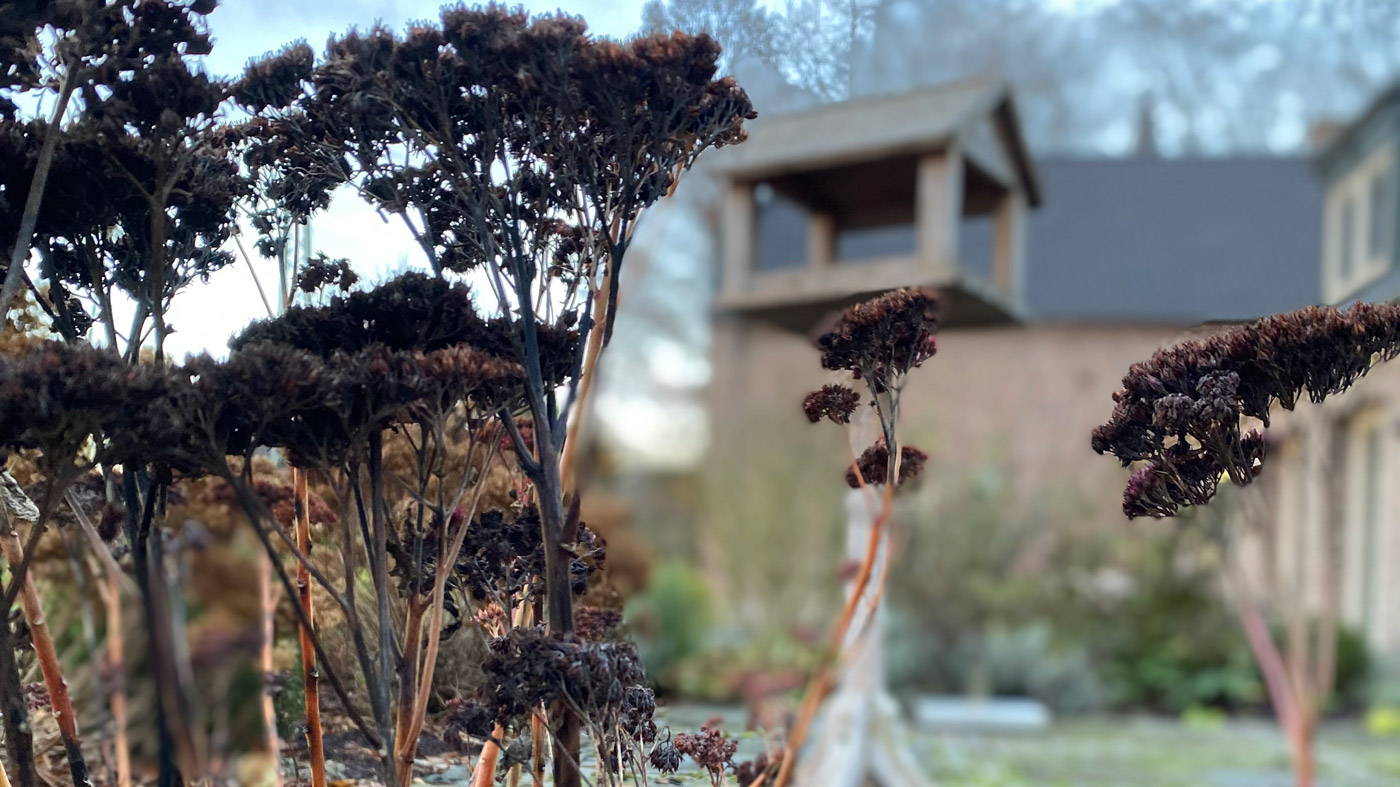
[(1287, 703), (485, 772), (314, 741), (405, 746), (116, 665), (414, 721), (47, 655)]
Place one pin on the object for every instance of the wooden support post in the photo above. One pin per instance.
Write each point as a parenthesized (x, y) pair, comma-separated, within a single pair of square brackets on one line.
[(738, 233), (821, 240), (938, 209), (1008, 245)]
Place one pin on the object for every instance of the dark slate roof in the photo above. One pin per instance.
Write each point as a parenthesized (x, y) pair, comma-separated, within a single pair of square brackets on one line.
[(1162, 240)]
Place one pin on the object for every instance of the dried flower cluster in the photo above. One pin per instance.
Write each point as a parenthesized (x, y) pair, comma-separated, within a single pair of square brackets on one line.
[(877, 342), (521, 148), (529, 668), (762, 765), (883, 338), (835, 403), (143, 189), (321, 271), (1181, 411), (61, 399), (596, 624), (710, 748), (665, 757), (492, 84), (502, 559), (874, 465)]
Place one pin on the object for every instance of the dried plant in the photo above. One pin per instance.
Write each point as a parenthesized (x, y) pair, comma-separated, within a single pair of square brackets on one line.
[(1182, 418), (876, 343), (711, 750), (517, 148), (1180, 412), (523, 148)]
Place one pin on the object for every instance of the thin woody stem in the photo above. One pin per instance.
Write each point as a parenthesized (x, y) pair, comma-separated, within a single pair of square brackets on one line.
[(419, 714), (305, 632), (30, 218), (46, 653), (268, 596), (109, 588), (587, 377)]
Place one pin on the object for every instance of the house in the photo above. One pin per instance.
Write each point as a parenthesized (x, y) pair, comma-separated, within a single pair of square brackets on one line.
[(1338, 464), (1058, 274)]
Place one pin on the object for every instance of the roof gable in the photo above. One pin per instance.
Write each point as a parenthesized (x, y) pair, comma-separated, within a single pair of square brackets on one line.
[(876, 127)]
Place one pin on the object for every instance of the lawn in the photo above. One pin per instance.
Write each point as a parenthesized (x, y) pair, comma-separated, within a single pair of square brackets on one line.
[(1101, 751), (1154, 752)]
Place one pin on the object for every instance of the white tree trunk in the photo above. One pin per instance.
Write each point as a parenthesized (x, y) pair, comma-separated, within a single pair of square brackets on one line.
[(861, 734)]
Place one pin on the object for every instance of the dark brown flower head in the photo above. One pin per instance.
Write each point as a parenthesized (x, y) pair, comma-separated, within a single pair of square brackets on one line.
[(883, 338), (413, 313), (501, 557), (710, 748), (596, 624), (592, 129), (528, 668), (321, 271), (665, 757), (467, 719), (874, 465), (1181, 411), (748, 772), (275, 80), (270, 395), (321, 409), (56, 397), (833, 402)]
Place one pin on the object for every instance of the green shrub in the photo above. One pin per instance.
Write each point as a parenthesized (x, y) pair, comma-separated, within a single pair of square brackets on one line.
[(1171, 643), (1353, 667), (671, 619)]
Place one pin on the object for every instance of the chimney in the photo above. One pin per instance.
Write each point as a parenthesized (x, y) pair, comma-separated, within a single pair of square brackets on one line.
[(1146, 146), (1322, 133)]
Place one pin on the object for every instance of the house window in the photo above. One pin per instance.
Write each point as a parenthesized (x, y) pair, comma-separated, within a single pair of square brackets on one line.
[(1361, 217), (1348, 261), (780, 224), (1289, 549), (875, 238), (1365, 510), (1382, 215)]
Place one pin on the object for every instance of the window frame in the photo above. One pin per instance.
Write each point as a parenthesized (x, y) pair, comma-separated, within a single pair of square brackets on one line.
[(1368, 519), (1351, 260)]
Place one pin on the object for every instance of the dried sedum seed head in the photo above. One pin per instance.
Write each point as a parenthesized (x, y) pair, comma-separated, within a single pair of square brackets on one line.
[(874, 465), (835, 403), (1180, 412), (883, 338)]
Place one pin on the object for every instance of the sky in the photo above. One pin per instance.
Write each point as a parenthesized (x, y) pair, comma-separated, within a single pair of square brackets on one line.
[(204, 316)]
